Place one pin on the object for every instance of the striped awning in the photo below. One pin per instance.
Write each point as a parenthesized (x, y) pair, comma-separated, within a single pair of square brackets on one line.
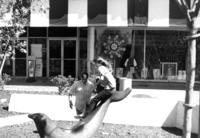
[(81, 13)]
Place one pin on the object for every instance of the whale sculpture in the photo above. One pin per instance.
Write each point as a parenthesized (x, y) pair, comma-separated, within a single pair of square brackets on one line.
[(86, 128)]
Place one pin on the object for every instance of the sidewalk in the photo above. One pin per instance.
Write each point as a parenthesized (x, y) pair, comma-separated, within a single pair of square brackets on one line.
[(40, 85)]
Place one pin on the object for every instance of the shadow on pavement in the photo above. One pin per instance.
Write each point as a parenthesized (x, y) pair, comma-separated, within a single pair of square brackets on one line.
[(177, 131)]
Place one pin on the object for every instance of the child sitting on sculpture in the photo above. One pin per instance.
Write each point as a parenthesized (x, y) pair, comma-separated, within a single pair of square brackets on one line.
[(106, 79)]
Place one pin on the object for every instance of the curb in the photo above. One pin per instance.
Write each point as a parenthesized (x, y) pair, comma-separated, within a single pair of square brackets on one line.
[(46, 89), (14, 120)]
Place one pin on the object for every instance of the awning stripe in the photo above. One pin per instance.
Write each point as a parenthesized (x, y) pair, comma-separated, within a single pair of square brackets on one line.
[(137, 12), (158, 13), (97, 12), (58, 12), (39, 13), (77, 13), (176, 16), (117, 13)]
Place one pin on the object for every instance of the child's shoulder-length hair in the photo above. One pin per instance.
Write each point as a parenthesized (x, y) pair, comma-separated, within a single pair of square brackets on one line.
[(103, 62)]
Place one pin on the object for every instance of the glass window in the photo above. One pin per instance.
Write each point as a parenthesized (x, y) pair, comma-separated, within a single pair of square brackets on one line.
[(70, 49), (165, 55), (54, 67), (82, 66), (83, 49), (18, 53), (20, 67), (20, 62), (37, 31), (69, 68), (55, 48), (62, 32), (83, 32)]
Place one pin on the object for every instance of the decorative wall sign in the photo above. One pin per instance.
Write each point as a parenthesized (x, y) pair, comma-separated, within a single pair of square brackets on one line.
[(114, 46), (111, 43)]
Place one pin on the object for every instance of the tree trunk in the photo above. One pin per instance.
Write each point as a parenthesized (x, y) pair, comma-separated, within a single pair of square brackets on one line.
[(190, 80), (2, 64)]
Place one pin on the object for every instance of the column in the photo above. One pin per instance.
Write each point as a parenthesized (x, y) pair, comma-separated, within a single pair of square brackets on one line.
[(90, 46)]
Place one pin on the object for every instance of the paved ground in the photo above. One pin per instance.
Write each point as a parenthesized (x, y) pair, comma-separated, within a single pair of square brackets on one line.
[(46, 86), (143, 96)]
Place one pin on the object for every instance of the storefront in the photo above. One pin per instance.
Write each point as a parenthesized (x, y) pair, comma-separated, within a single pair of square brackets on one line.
[(57, 50), (145, 34)]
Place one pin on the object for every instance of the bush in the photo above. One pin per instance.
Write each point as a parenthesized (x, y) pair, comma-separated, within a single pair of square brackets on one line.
[(4, 79), (63, 83)]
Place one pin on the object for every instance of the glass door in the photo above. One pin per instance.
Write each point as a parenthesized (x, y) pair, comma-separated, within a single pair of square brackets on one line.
[(62, 57), (20, 63), (69, 58), (54, 57)]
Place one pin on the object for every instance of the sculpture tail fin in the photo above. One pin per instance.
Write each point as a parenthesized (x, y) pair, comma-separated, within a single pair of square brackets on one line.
[(120, 95)]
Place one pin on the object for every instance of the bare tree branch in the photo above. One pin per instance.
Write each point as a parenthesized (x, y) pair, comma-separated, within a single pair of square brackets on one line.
[(184, 7), (196, 7)]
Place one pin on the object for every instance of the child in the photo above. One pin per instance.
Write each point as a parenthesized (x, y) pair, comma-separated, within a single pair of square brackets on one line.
[(106, 80)]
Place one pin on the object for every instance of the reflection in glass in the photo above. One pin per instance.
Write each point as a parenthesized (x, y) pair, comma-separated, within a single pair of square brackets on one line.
[(8, 66), (83, 49), (54, 67), (69, 68), (165, 46), (55, 48), (20, 67), (82, 64), (70, 49)]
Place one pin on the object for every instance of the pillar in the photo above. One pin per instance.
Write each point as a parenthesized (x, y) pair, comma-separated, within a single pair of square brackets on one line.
[(90, 46)]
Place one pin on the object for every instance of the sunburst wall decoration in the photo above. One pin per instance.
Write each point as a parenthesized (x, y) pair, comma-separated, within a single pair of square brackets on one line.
[(114, 46), (113, 43)]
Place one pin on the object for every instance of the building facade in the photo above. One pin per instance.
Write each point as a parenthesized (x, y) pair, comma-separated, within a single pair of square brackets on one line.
[(64, 36)]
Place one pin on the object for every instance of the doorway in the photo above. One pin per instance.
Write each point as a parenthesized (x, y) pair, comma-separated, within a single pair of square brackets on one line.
[(62, 57)]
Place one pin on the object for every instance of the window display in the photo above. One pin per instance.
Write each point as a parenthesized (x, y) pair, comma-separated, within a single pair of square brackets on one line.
[(145, 54)]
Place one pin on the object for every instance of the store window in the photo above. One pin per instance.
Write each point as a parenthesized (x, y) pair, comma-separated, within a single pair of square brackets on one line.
[(146, 54), (166, 55)]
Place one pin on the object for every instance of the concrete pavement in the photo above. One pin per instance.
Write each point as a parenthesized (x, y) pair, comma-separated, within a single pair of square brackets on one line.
[(143, 107)]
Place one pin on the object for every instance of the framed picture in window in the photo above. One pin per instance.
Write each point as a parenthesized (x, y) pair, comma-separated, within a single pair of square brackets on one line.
[(169, 70)]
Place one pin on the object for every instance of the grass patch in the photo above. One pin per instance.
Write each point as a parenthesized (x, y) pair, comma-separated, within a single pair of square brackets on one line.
[(105, 131)]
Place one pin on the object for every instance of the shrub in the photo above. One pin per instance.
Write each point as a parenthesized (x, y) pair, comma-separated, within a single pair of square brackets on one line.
[(4, 79), (63, 83)]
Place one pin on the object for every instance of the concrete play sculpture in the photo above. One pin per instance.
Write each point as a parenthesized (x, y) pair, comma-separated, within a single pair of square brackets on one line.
[(86, 128)]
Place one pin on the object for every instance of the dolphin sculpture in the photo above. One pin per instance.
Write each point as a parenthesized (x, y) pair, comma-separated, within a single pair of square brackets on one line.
[(85, 128)]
